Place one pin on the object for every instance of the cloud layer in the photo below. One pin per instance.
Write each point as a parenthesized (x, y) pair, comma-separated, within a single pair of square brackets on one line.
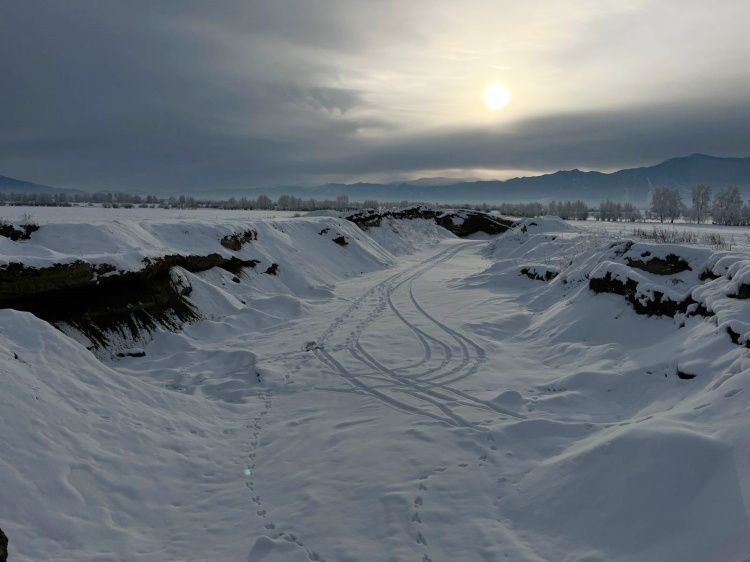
[(190, 94)]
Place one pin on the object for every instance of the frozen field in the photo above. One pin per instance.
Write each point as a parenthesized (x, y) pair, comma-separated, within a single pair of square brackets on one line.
[(736, 236), (97, 214), (409, 396)]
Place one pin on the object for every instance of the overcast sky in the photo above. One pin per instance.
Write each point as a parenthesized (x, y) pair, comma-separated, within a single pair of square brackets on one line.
[(143, 94)]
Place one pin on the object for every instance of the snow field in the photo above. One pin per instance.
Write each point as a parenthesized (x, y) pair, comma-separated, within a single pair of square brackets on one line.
[(409, 396)]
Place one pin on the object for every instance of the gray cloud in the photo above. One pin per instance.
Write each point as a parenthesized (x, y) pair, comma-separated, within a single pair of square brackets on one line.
[(604, 139), (195, 94)]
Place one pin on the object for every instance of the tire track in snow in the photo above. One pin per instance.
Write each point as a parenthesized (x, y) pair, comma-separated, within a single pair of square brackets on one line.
[(429, 391), (402, 383)]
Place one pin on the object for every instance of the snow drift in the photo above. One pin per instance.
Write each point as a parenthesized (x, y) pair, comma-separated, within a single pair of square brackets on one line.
[(396, 393)]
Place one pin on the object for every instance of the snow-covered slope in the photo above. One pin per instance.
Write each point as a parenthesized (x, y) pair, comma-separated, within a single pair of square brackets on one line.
[(652, 448), (408, 396), (106, 278)]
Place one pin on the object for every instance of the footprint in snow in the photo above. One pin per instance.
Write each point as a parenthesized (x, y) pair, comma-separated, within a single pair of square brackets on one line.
[(264, 544)]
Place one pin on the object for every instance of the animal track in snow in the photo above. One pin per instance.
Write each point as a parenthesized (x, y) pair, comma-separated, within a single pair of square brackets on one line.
[(256, 427)]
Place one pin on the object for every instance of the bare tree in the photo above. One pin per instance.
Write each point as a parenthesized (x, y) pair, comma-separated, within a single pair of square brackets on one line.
[(342, 202), (264, 202), (701, 203), (727, 208), (666, 204)]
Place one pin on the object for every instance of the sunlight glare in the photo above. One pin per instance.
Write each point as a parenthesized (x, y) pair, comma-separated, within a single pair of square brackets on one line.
[(496, 96)]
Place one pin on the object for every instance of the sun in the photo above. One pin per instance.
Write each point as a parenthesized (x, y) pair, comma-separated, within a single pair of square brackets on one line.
[(496, 96)]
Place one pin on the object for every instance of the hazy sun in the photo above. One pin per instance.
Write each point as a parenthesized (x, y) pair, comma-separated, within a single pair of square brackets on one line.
[(496, 95)]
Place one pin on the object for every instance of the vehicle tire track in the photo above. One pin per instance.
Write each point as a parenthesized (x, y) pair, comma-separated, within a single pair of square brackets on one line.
[(433, 389)]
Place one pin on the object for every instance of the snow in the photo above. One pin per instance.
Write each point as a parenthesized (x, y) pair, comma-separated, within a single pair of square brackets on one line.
[(738, 237), (125, 242), (408, 397), (97, 214)]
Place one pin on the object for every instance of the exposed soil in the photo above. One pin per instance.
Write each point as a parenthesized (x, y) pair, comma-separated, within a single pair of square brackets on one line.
[(532, 274), (668, 266), (132, 354), (23, 232), (708, 275), (659, 305), (235, 242), (734, 336), (461, 223), (743, 292), (98, 300)]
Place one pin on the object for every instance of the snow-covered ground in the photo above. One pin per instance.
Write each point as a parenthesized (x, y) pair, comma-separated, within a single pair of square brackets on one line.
[(736, 237), (410, 396), (98, 214)]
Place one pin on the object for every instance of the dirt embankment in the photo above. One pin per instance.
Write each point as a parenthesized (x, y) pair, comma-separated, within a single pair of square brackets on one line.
[(460, 222), (98, 299), (658, 304)]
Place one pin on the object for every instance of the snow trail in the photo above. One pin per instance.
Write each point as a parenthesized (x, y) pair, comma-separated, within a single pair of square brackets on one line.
[(418, 387)]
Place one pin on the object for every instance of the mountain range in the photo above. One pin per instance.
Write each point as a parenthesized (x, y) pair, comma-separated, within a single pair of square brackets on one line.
[(13, 185), (632, 184)]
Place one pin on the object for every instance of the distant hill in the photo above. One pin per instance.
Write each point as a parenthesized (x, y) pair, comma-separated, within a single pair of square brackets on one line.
[(12, 185), (633, 184)]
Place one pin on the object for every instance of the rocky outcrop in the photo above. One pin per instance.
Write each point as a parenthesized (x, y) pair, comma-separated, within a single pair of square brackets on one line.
[(460, 222), (3, 547)]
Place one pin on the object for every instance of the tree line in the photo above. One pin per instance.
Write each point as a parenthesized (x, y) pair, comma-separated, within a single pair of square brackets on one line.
[(726, 207), (128, 200)]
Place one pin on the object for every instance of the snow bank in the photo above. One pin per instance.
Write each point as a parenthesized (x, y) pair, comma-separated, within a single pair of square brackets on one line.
[(642, 455), (124, 243), (405, 236), (100, 465), (81, 276), (641, 494), (550, 421)]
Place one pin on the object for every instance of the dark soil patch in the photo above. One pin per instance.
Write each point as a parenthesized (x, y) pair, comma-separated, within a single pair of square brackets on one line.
[(80, 294), (743, 292), (341, 241), (461, 223), (734, 336), (708, 275), (659, 305), (132, 354), (668, 266), (685, 376), (273, 269), (235, 242), (531, 274), (23, 232), (3, 547)]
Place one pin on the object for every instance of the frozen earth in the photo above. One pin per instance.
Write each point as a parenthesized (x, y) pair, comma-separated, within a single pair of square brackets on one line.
[(408, 396)]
